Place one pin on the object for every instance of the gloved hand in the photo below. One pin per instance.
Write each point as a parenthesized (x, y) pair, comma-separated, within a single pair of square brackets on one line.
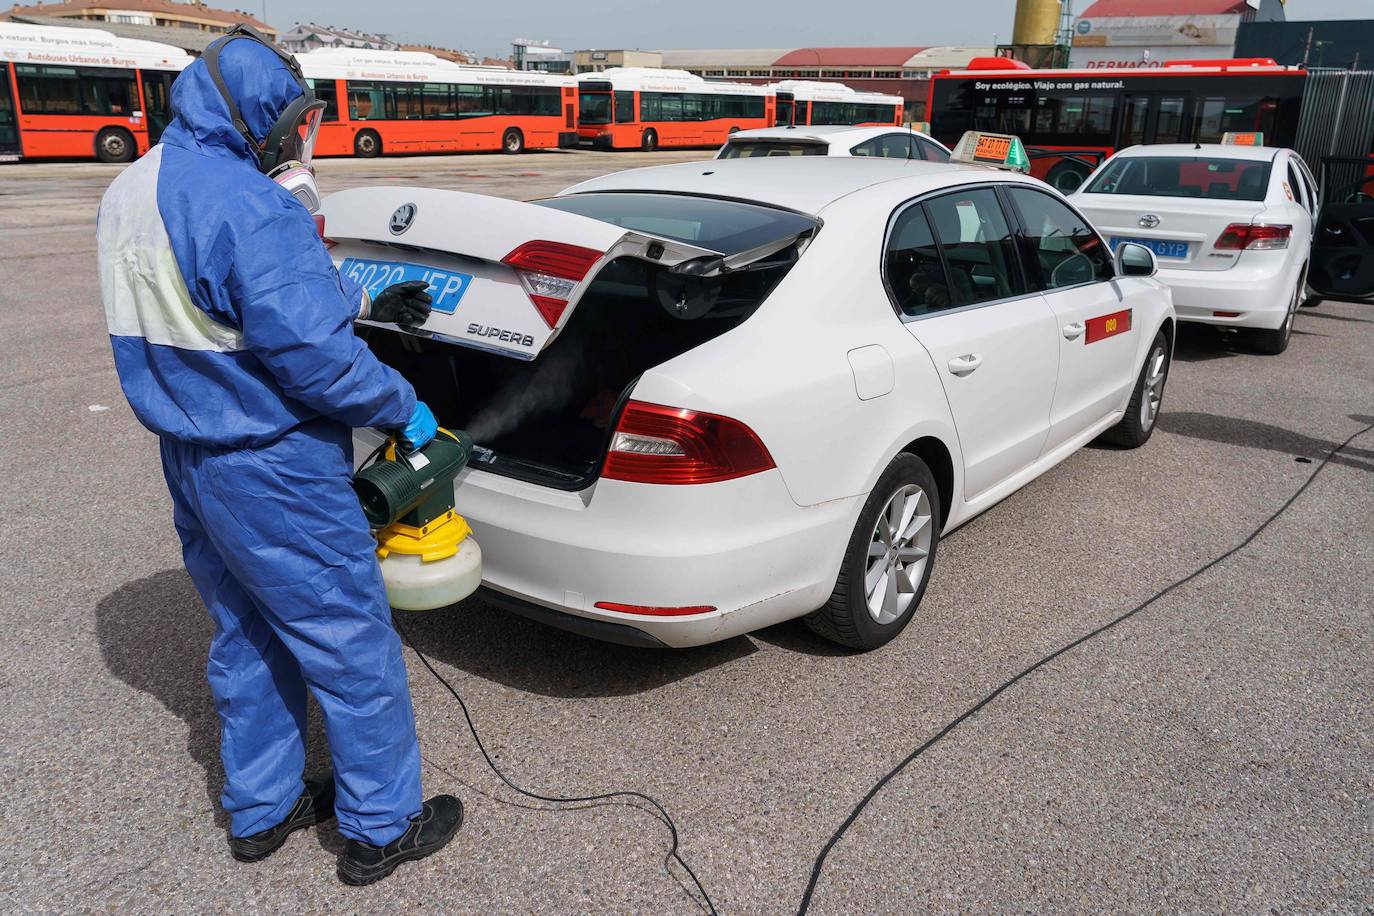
[(419, 430), (402, 303)]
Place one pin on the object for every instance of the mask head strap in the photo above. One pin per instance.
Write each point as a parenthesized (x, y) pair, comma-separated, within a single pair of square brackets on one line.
[(211, 58)]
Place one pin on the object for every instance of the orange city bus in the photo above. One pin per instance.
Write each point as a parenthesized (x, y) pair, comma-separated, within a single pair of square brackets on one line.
[(76, 93), (647, 108), (1071, 120), (380, 102), (805, 102)]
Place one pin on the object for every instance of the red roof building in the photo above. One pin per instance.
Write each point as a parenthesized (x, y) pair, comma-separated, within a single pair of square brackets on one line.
[(1145, 33), (194, 14)]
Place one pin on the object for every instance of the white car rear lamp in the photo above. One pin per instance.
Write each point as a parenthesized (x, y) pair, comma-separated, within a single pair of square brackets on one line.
[(646, 445), (1253, 237), (672, 445), (549, 272)]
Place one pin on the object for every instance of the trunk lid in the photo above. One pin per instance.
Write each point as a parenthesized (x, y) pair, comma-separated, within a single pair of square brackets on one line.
[(1167, 225), (505, 275)]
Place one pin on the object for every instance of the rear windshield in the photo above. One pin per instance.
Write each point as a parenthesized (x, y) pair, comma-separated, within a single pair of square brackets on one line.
[(594, 107), (726, 227), (747, 149), (1184, 176)]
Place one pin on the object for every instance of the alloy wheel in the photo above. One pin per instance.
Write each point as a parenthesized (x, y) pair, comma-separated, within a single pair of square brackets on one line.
[(898, 553), (1154, 388)]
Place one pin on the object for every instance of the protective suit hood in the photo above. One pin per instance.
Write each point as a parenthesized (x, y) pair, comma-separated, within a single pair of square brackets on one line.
[(262, 88)]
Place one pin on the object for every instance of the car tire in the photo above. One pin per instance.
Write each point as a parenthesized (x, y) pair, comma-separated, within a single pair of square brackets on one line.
[(1142, 412), (1269, 342), (512, 141), (1067, 177), (649, 142), (114, 144), (893, 579), (367, 145)]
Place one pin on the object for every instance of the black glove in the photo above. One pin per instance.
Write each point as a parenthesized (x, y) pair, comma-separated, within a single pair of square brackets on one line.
[(402, 303)]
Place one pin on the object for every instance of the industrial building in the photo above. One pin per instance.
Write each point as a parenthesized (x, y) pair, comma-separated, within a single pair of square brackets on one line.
[(1343, 43), (194, 16), (1145, 33)]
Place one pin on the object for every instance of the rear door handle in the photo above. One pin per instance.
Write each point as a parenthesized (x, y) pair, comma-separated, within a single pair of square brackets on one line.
[(1072, 331), (963, 365)]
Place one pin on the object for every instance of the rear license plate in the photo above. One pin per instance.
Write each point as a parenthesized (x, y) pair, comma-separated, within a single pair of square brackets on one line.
[(445, 286), (1163, 248)]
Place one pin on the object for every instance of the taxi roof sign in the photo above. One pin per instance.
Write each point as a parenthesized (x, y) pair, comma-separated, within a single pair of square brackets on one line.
[(1242, 138), (1005, 151)]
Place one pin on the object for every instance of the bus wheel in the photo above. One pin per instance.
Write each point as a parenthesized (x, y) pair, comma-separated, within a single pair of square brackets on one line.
[(1066, 176), (114, 144), (512, 141), (649, 142), (367, 145)]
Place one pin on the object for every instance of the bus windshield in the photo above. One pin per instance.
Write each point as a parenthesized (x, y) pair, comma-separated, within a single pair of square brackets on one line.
[(594, 107), (1179, 176)]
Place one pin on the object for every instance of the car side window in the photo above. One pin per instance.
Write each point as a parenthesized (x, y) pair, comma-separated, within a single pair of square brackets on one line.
[(915, 274), (931, 151), (867, 148), (1298, 188), (980, 255), (1063, 249), (895, 146)]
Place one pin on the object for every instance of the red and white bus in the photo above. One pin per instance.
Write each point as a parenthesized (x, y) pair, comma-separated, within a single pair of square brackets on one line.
[(1070, 120), (381, 102), (804, 102), (646, 108), (74, 93)]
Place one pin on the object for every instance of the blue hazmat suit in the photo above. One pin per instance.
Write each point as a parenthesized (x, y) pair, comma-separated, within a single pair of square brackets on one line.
[(233, 338)]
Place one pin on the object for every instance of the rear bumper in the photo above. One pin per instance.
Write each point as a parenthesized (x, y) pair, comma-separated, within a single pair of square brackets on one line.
[(741, 547), (1257, 295)]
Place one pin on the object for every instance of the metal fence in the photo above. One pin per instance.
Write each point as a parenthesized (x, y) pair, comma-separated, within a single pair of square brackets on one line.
[(1337, 121)]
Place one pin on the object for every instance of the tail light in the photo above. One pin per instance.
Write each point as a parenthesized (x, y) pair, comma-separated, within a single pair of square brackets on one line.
[(550, 271), (1258, 237), (670, 445), (319, 228)]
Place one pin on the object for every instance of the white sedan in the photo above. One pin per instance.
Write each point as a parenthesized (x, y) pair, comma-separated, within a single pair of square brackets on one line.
[(714, 396), (831, 140), (1231, 226)]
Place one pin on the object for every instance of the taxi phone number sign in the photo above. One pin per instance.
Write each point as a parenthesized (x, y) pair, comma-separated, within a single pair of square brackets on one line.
[(992, 149), (1104, 326)]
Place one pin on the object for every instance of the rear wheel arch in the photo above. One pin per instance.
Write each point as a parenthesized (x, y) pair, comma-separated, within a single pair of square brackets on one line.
[(937, 457)]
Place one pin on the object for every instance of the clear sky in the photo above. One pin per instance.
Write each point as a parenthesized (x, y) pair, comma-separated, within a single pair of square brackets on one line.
[(487, 26)]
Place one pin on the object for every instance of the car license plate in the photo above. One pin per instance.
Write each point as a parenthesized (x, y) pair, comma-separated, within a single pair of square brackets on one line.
[(446, 287), (1163, 248)]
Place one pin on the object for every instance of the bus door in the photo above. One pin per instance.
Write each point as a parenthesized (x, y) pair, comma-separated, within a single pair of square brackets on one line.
[(157, 102), (1155, 117), (9, 124)]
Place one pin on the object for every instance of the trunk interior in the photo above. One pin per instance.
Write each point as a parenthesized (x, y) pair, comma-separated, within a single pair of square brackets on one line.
[(549, 421)]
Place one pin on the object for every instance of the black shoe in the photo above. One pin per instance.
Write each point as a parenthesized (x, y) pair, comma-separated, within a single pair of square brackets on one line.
[(429, 832), (315, 806)]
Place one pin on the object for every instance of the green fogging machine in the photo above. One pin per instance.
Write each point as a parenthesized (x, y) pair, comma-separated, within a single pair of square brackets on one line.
[(428, 556)]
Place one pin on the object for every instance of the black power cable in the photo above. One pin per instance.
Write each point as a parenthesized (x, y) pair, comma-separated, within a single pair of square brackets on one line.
[(973, 710), (673, 853)]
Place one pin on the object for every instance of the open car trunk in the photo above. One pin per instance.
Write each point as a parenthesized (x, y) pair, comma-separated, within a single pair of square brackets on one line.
[(549, 420), (546, 313)]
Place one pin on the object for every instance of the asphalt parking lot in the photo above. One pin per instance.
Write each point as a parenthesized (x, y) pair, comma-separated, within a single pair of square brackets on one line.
[(1214, 753)]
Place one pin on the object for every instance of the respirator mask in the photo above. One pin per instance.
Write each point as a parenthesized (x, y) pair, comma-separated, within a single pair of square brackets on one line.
[(299, 179), (291, 139)]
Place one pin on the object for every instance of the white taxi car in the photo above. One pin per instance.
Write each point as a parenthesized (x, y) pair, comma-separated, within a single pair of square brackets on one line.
[(831, 140), (718, 395), (1230, 225)]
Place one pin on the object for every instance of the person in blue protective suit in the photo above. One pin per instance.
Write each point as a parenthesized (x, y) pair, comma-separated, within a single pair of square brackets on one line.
[(233, 338)]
